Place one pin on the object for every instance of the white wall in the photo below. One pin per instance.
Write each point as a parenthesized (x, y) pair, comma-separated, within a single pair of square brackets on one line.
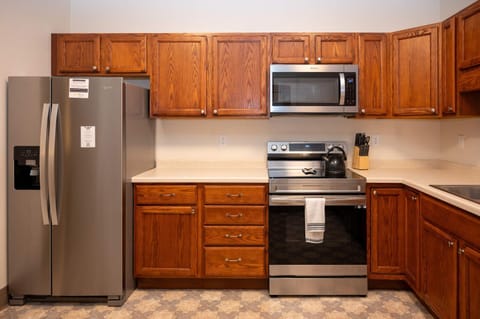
[(250, 15), (25, 27), (450, 7), (451, 147)]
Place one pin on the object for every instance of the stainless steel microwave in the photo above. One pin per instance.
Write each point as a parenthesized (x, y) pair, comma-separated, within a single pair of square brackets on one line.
[(313, 89)]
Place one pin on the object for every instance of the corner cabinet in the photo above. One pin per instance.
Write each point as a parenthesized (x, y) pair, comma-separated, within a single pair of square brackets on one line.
[(166, 231), (99, 54), (178, 75), (386, 233), (412, 238), (415, 72), (239, 71)]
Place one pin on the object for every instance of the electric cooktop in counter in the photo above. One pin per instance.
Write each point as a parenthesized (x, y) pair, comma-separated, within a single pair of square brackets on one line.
[(470, 192)]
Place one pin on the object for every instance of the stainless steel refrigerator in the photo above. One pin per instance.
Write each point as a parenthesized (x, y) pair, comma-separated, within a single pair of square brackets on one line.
[(73, 146)]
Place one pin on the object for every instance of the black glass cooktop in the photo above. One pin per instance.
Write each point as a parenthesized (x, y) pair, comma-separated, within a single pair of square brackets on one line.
[(470, 192)]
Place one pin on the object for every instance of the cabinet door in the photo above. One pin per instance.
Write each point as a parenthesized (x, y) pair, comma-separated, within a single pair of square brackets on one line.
[(239, 75), (387, 231), (415, 71), (165, 241), (178, 75), (76, 53), (372, 65), (291, 48), (448, 78), (469, 284), (439, 271), (469, 37), (124, 53), (335, 48), (412, 238)]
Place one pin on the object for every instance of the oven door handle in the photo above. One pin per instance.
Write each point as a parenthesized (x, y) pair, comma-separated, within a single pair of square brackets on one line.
[(330, 200)]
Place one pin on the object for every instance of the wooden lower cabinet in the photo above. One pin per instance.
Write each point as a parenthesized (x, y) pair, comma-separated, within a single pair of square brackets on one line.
[(412, 238), (469, 282), (200, 231), (386, 232)]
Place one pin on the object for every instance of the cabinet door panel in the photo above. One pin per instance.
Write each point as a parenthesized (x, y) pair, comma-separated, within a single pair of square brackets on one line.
[(235, 262), (469, 297), (335, 48), (124, 53), (372, 64), (234, 215), (387, 231), (439, 271), (415, 71), (178, 75), (165, 241), (291, 48), (77, 53), (448, 67), (234, 235), (412, 238), (239, 76), (469, 37), (235, 194)]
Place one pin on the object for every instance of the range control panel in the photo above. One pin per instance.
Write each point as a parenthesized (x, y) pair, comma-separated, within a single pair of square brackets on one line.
[(303, 147)]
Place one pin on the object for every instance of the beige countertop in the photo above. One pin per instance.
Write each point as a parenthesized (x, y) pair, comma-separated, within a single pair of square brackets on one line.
[(416, 174), (421, 174), (205, 172)]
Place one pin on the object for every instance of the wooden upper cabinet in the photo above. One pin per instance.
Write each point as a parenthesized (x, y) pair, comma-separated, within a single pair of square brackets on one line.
[(415, 71), (448, 68), (124, 53), (239, 75), (178, 71), (335, 48), (373, 71), (469, 37), (75, 53), (99, 54), (291, 48)]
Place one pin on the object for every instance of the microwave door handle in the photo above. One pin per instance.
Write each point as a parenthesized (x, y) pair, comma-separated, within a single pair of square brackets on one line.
[(342, 89)]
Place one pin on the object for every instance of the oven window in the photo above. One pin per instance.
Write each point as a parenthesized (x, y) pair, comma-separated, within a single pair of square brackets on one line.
[(305, 89), (344, 239)]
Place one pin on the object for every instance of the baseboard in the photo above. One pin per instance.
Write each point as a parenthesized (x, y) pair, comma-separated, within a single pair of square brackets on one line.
[(3, 297), (197, 283)]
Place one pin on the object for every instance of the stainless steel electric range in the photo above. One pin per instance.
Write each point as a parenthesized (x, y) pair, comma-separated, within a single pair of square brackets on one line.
[(338, 265)]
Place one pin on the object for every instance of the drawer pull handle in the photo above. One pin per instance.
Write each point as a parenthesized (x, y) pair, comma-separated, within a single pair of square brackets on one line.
[(233, 215), (228, 260), (233, 236), (168, 195), (238, 195)]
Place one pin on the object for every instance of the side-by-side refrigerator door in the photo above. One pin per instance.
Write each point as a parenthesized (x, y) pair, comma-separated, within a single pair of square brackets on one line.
[(87, 238), (29, 250)]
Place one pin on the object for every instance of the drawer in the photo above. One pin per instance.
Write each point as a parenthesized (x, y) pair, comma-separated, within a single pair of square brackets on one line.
[(165, 194), (235, 194), (236, 262), (234, 235), (235, 215)]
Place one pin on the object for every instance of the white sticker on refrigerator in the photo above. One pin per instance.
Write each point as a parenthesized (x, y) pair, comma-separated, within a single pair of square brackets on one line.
[(78, 88), (87, 136)]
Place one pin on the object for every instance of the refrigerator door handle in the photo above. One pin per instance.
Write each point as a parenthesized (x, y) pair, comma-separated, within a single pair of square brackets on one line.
[(43, 164), (52, 196)]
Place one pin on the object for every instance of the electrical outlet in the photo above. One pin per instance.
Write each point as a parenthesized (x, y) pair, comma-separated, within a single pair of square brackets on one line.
[(374, 139), (222, 140)]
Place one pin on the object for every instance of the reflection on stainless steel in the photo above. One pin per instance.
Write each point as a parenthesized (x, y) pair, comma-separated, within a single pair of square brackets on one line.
[(470, 192)]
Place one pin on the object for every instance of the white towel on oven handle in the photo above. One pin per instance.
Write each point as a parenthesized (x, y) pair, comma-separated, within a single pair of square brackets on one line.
[(314, 220)]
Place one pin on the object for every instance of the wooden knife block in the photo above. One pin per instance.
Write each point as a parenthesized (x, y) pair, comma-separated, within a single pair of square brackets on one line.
[(359, 162)]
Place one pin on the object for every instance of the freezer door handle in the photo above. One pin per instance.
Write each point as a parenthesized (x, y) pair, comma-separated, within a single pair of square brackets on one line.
[(43, 164), (52, 136)]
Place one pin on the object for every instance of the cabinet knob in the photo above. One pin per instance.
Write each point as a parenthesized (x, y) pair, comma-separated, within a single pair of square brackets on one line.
[(433, 110), (363, 111), (450, 243), (193, 211), (450, 109), (306, 59), (374, 193), (215, 112), (107, 69), (202, 112), (414, 197), (461, 251), (94, 68), (319, 60)]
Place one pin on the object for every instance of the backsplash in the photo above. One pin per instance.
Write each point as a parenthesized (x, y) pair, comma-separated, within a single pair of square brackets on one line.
[(452, 132), (245, 139)]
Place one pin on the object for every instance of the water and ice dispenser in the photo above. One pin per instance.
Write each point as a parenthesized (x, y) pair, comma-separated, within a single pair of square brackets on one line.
[(26, 167)]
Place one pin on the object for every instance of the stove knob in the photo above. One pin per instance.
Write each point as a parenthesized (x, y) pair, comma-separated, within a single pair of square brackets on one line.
[(274, 147), (283, 147)]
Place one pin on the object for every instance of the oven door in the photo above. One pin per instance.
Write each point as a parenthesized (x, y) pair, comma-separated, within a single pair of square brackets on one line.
[(343, 251)]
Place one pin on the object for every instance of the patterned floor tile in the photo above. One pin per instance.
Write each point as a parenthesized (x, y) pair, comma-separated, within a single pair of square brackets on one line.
[(231, 304)]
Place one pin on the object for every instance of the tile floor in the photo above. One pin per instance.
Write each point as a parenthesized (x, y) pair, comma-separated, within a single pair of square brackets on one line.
[(231, 304)]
